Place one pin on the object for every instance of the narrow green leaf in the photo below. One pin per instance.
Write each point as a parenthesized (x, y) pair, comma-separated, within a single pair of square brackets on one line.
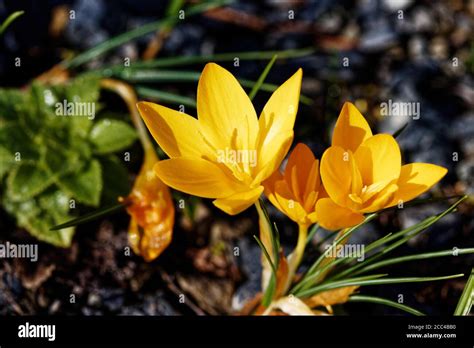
[(270, 290), (403, 236), (423, 256), (262, 77), (148, 76), (467, 297), (121, 39), (379, 300), (133, 75), (265, 253), (166, 97), (9, 20), (218, 57), (89, 217), (356, 281), (312, 233), (310, 275), (400, 130), (275, 236)]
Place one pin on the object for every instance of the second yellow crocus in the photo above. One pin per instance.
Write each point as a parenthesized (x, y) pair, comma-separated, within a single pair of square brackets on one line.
[(362, 173), (295, 193)]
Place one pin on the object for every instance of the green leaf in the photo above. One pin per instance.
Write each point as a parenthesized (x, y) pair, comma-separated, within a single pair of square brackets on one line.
[(85, 185), (111, 135), (6, 161), (26, 181), (119, 40), (60, 160), (312, 233), (164, 97), (263, 76), (144, 76), (10, 101), (357, 281), (115, 175), (83, 89), (270, 290), (38, 214), (168, 62), (379, 300), (422, 256), (467, 298), (399, 131), (18, 143), (88, 217), (9, 20), (403, 236)]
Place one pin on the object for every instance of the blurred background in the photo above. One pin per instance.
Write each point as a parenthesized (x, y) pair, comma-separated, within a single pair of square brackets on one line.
[(368, 52)]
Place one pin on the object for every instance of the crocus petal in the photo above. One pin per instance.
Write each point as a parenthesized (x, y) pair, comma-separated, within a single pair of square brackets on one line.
[(226, 115), (238, 202), (351, 128), (175, 132), (197, 177), (289, 205), (379, 159), (313, 182), (334, 217), (270, 158), (269, 188), (276, 122), (415, 179), (298, 169), (336, 173), (381, 199)]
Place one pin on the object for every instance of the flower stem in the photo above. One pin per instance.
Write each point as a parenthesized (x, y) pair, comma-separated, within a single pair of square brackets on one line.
[(127, 93), (296, 256)]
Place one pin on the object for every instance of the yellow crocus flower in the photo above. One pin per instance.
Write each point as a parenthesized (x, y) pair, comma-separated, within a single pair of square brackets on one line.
[(227, 152), (362, 173), (296, 191)]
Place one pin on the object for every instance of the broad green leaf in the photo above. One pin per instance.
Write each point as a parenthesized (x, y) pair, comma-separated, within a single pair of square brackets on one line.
[(84, 91), (59, 161), (85, 185), (17, 142), (38, 214), (6, 161), (109, 136), (26, 181), (10, 100)]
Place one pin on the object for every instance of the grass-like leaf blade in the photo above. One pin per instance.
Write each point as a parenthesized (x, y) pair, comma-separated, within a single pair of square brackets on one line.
[(262, 77), (467, 297), (379, 300), (89, 217)]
